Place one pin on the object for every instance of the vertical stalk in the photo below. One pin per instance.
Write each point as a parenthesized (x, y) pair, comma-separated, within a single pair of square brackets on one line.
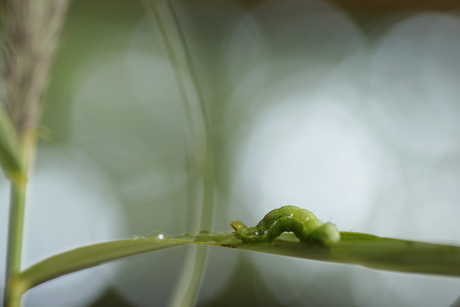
[(13, 293), (14, 287), (31, 30), (200, 158)]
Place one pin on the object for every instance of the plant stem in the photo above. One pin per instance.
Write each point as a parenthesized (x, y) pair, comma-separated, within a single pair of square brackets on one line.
[(15, 233), (14, 287), (200, 157), (31, 31)]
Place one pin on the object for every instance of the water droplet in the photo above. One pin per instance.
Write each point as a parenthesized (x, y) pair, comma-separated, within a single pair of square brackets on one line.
[(134, 238), (156, 235)]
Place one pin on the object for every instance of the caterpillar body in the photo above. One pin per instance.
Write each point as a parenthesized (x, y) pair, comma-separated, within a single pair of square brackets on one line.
[(301, 222)]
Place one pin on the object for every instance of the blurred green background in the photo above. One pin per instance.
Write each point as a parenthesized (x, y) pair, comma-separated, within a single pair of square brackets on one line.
[(348, 109)]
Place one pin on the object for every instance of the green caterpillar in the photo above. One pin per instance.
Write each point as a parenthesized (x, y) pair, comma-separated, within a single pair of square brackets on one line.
[(301, 222)]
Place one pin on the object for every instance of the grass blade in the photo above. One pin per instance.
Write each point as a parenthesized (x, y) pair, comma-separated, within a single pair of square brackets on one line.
[(372, 252), (87, 257), (354, 248)]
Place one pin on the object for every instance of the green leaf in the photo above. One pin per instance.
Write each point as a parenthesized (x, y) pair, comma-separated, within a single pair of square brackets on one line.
[(10, 155), (86, 257), (372, 252), (354, 248)]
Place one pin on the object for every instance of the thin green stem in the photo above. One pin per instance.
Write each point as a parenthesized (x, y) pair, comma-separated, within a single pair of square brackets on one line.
[(14, 287), (200, 158), (13, 291), (207, 172), (190, 280), (31, 32)]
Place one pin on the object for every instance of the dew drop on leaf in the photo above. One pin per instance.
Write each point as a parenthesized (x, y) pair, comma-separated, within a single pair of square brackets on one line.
[(156, 236)]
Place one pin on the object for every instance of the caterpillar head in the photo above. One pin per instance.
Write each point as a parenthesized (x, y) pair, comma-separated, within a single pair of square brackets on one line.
[(248, 234), (238, 226)]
